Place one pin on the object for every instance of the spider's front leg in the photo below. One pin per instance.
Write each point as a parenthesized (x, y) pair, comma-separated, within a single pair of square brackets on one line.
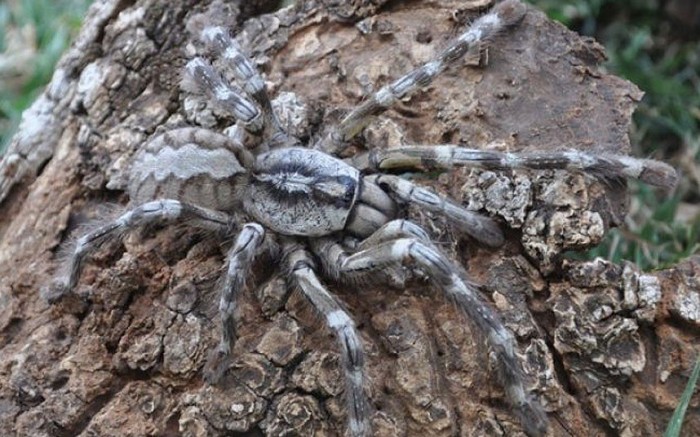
[(155, 212), (411, 248), (505, 14), (446, 157), (302, 274)]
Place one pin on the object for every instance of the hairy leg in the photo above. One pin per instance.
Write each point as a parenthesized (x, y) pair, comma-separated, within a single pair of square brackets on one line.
[(445, 157), (479, 227), (392, 230), (505, 14), (159, 211), (303, 276), (240, 258), (219, 41), (451, 279), (200, 77)]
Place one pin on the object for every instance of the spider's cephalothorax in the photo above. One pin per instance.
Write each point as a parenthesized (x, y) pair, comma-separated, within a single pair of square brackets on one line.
[(345, 216), (296, 191)]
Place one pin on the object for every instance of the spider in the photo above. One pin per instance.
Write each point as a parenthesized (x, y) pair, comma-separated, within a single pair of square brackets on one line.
[(319, 213)]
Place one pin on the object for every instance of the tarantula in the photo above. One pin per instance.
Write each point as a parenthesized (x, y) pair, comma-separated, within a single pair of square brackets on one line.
[(342, 217)]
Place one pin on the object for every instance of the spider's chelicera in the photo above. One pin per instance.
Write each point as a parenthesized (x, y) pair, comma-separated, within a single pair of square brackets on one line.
[(339, 217)]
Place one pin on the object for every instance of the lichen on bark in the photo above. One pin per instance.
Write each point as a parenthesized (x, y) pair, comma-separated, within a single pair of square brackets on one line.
[(607, 348)]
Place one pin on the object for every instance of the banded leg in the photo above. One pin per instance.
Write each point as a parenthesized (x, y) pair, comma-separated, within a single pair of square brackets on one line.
[(220, 42), (451, 280), (159, 211), (484, 28), (445, 157), (475, 225), (240, 258), (349, 340), (200, 77)]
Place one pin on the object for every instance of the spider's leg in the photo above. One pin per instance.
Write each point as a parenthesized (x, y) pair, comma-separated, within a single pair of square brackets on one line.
[(159, 211), (484, 28), (302, 273), (450, 278), (240, 257), (445, 157), (200, 77), (481, 228), (247, 75)]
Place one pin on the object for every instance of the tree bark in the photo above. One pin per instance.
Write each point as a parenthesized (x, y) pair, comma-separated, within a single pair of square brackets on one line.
[(607, 349)]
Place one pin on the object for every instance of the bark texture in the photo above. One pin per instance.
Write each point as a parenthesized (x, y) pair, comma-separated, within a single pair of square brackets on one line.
[(608, 349)]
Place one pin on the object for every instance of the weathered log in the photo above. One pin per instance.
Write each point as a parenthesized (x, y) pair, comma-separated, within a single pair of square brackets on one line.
[(608, 349)]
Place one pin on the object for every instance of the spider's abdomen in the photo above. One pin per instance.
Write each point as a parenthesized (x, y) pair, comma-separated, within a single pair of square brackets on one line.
[(305, 192), (190, 165)]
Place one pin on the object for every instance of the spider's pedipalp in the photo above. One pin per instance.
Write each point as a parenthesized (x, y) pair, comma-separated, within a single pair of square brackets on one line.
[(445, 157), (200, 77), (479, 227), (478, 33), (450, 278), (340, 322), (220, 42), (364, 220), (399, 228), (159, 211), (332, 254)]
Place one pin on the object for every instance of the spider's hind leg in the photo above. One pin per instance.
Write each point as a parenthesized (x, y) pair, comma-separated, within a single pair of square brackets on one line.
[(200, 77), (303, 276), (240, 258), (159, 211), (219, 41)]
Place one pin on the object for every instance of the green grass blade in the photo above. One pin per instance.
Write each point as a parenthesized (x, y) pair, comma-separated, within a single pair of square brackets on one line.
[(674, 426)]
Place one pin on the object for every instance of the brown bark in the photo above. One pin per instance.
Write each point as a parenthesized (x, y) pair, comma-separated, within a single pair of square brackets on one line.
[(608, 349)]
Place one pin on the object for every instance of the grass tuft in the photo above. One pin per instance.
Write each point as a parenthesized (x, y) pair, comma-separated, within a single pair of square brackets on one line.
[(676, 423), (33, 35)]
